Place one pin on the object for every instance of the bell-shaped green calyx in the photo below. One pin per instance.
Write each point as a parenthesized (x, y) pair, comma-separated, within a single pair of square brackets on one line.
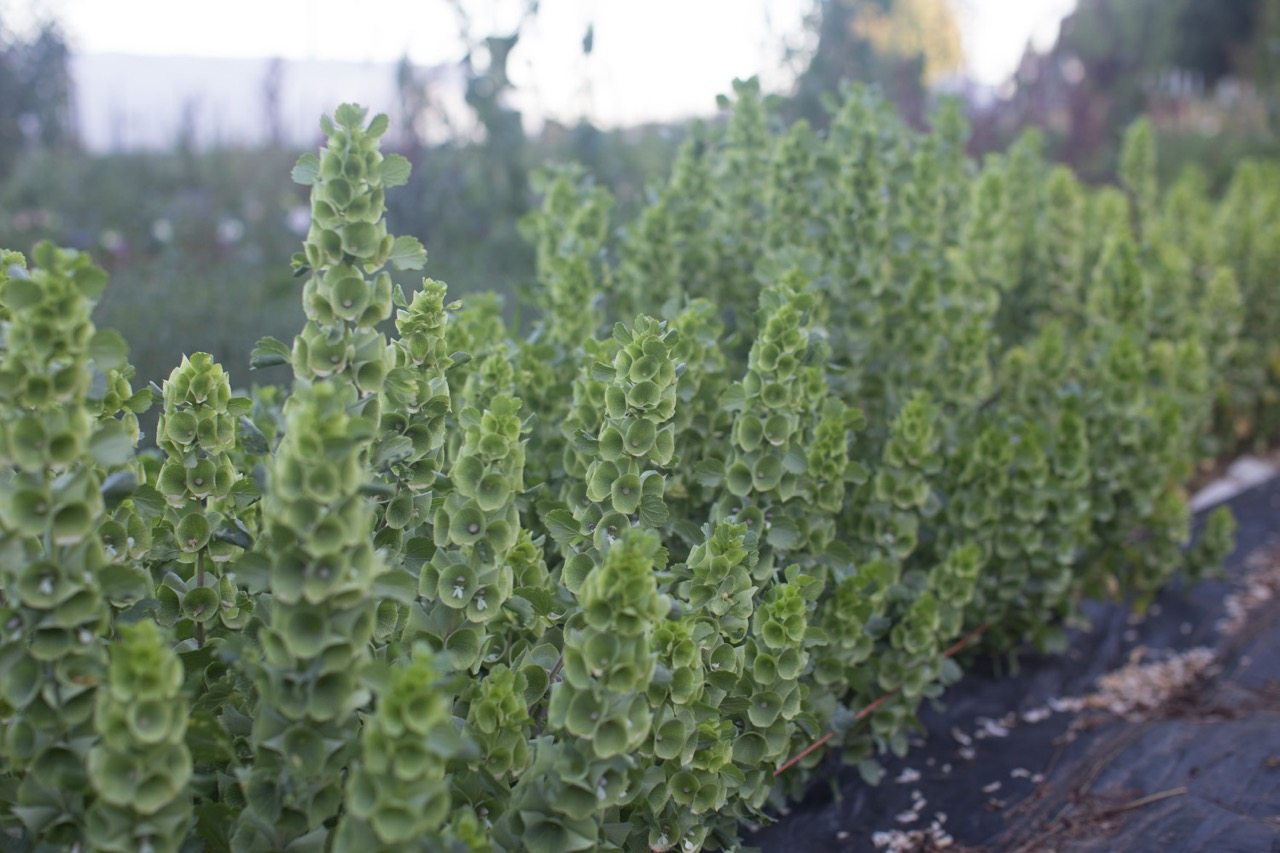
[(470, 577), (53, 452), (315, 640), (608, 655), (397, 793), (141, 767), (348, 290)]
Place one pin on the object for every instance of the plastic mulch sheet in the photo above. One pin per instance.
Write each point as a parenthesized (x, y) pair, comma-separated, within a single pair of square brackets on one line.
[(1160, 733)]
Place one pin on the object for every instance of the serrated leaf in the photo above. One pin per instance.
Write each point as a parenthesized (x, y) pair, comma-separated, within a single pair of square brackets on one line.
[(350, 115), (408, 254), (268, 352), (306, 170), (653, 511), (562, 526), (395, 171), (244, 492), (148, 502), (542, 601)]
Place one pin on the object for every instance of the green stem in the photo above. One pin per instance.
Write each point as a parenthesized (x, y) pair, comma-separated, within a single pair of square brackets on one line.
[(199, 583)]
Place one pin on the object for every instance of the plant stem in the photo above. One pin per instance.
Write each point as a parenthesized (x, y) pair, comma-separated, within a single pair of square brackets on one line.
[(200, 583)]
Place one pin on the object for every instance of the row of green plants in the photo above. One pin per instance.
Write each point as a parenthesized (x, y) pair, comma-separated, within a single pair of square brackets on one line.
[(831, 405)]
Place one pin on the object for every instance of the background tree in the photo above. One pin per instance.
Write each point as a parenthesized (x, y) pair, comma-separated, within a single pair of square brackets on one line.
[(899, 45), (35, 92)]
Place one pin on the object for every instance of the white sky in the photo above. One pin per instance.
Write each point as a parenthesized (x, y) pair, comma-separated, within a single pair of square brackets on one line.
[(654, 59)]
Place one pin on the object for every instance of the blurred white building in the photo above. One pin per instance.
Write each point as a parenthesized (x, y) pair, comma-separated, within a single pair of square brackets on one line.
[(129, 102)]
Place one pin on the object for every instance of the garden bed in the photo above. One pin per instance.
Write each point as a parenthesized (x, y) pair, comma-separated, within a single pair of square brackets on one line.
[(1154, 733)]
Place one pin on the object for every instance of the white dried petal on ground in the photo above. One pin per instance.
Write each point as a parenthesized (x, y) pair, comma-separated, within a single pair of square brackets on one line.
[(907, 817), (994, 729), (1036, 715), (991, 789), (1020, 773), (1070, 704), (1259, 586), (961, 738), (1133, 691), (908, 841), (843, 835), (907, 776), (968, 753)]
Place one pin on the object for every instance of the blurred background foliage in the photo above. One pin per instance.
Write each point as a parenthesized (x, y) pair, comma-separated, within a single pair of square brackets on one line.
[(197, 239)]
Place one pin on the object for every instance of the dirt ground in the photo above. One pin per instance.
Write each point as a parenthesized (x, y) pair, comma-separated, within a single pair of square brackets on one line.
[(1159, 733)]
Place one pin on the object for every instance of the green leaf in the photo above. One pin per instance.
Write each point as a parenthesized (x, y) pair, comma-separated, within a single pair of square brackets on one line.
[(395, 171), (396, 585), (140, 402), (653, 511), (870, 771), (733, 398), (234, 533), (239, 406), (149, 503), (252, 439), (408, 254), (783, 534), (268, 352), (306, 170), (108, 349), (379, 125), (542, 600), (112, 445), (253, 571), (124, 583), (350, 115), (117, 486), (392, 449), (562, 526)]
